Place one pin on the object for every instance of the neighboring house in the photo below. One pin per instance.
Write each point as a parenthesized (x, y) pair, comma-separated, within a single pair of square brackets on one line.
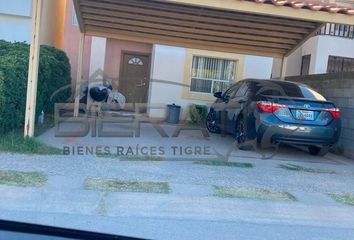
[(330, 51), (159, 74), (16, 21)]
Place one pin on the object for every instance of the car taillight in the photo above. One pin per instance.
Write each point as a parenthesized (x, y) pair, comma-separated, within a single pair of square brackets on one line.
[(335, 112), (269, 106)]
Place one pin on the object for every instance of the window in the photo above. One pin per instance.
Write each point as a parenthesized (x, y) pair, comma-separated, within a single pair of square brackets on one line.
[(287, 89), (242, 90), (311, 94), (277, 89), (136, 61), (230, 93), (340, 64), (74, 20), (210, 75), (305, 64)]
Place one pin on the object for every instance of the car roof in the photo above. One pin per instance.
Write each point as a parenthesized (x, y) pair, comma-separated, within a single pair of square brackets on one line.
[(270, 81)]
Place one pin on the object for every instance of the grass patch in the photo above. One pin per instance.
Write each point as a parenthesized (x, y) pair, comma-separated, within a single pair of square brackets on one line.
[(131, 157), (225, 164), (14, 142), (293, 167), (115, 185), (23, 179), (252, 193), (343, 198)]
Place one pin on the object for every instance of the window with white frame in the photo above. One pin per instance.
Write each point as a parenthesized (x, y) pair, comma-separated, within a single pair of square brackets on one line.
[(210, 75)]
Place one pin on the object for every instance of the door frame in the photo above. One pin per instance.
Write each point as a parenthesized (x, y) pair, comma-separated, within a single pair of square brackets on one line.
[(148, 55)]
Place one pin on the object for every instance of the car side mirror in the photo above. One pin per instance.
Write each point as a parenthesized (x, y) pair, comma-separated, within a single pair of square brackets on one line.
[(218, 94)]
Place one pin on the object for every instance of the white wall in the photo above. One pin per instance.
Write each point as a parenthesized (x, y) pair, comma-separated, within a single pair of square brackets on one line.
[(310, 47), (168, 64), (15, 20), (16, 7), (98, 53), (336, 46), (258, 67), (14, 28), (294, 63), (320, 48)]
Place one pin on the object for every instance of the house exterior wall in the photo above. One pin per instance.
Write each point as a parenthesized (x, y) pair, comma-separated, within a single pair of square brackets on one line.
[(98, 54), (16, 21), (328, 45), (15, 14), (52, 23), (169, 64), (71, 44), (320, 48), (257, 67)]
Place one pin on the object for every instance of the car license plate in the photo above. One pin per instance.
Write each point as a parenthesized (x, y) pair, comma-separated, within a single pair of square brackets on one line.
[(305, 115)]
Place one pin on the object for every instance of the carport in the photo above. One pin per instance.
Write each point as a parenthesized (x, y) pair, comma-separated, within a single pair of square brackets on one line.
[(273, 28)]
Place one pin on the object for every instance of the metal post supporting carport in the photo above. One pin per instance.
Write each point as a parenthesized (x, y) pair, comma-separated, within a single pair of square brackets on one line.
[(283, 67), (33, 70)]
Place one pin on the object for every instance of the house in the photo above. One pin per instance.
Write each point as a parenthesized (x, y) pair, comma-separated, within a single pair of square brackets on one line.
[(179, 51), (17, 14), (331, 50), (162, 67), (146, 73)]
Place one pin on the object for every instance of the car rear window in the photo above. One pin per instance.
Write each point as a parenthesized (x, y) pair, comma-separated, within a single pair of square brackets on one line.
[(311, 94), (286, 89)]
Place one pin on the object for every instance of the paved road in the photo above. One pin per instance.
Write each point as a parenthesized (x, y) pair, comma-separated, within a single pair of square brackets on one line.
[(176, 229)]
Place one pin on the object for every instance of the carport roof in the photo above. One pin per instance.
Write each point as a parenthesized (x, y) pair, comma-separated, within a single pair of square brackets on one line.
[(258, 27)]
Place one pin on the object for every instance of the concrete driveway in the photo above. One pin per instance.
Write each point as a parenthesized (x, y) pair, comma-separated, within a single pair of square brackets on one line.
[(191, 208), (179, 142)]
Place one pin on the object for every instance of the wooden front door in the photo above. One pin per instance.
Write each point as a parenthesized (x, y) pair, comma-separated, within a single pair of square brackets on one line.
[(134, 77)]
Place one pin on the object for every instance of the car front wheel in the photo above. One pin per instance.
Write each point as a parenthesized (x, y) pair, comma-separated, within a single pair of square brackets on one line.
[(211, 123)]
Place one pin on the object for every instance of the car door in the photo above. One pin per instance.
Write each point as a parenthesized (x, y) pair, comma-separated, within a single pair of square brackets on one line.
[(234, 106), (221, 106)]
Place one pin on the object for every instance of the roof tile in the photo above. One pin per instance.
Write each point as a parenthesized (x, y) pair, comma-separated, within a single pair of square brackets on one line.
[(313, 5)]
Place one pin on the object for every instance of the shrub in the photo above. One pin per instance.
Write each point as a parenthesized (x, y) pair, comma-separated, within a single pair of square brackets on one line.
[(198, 114), (54, 72)]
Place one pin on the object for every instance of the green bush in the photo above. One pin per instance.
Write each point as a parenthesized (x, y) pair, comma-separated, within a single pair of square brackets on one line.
[(54, 73), (198, 114)]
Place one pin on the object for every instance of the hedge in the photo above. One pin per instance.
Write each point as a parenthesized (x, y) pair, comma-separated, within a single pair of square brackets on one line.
[(54, 73)]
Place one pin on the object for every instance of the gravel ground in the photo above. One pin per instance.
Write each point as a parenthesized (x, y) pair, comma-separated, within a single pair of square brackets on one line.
[(191, 199), (265, 174)]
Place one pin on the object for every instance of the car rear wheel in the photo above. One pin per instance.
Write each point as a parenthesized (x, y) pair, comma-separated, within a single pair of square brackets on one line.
[(317, 151), (211, 123)]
